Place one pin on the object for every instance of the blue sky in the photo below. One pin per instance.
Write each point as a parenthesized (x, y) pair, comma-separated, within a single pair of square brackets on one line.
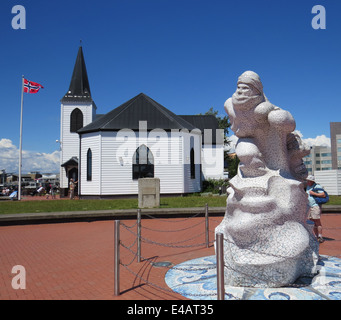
[(185, 54)]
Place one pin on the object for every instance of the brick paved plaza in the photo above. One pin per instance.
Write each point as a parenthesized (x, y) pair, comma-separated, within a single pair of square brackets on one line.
[(76, 260)]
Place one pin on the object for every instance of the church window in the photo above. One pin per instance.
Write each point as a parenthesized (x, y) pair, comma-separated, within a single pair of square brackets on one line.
[(192, 164), (143, 163), (76, 120), (89, 165)]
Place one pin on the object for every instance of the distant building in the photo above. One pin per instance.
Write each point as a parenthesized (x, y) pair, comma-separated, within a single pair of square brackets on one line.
[(325, 162), (319, 159), (322, 158), (13, 178), (335, 139)]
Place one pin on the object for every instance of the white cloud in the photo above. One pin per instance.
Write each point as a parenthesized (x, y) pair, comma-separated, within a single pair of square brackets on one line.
[(321, 140), (31, 161)]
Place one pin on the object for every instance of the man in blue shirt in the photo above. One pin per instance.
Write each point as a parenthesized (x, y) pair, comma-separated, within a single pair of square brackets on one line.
[(315, 209)]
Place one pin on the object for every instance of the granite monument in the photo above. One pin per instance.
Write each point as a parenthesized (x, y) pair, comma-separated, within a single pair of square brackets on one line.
[(267, 241)]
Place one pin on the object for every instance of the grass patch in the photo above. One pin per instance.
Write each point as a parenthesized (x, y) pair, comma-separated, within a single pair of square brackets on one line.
[(10, 207), (193, 202), (334, 200)]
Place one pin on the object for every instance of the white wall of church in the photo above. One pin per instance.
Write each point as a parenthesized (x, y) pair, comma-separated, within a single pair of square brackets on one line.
[(191, 140), (116, 165), (117, 159), (213, 161), (90, 141), (112, 154), (168, 151)]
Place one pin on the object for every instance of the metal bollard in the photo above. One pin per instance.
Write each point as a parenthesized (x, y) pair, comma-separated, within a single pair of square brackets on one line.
[(206, 225), (139, 235), (220, 265), (117, 258)]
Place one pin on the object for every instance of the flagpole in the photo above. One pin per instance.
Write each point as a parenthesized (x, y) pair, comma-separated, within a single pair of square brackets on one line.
[(20, 144)]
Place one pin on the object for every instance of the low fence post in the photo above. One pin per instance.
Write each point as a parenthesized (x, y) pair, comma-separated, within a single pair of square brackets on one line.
[(117, 258), (206, 225), (138, 235), (220, 265)]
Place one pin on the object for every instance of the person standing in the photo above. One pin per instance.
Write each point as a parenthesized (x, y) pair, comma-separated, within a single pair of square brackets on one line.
[(53, 196), (315, 209), (72, 188)]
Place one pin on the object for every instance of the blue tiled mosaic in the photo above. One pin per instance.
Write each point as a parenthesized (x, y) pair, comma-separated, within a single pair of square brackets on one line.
[(197, 279)]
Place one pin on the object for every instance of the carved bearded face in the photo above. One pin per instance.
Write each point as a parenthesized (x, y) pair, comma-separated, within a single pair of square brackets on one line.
[(246, 97)]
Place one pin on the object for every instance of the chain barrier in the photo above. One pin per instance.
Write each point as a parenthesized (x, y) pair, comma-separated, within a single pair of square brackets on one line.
[(177, 244), (129, 227), (170, 244), (166, 220), (174, 244), (214, 220), (177, 230)]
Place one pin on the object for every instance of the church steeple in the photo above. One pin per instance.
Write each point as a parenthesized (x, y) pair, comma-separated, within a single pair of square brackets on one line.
[(79, 89), (77, 110)]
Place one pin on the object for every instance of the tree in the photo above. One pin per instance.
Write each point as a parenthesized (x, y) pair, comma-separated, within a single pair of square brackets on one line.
[(223, 122), (232, 164)]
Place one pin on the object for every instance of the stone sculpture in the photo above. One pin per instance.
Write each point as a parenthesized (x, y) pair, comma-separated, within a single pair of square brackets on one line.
[(267, 240)]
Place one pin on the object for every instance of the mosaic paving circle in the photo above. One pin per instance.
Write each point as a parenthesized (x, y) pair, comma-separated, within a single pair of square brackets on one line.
[(196, 279)]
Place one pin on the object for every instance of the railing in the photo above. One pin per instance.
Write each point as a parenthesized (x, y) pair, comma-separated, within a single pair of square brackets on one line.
[(139, 239)]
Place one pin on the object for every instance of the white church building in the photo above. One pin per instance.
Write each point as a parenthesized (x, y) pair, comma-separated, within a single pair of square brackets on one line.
[(108, 153)]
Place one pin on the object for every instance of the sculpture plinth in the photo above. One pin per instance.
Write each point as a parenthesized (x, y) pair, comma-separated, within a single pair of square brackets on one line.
[(267, 241)]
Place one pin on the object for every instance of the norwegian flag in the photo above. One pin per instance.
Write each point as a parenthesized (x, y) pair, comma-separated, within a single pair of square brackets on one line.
[(31, 87)]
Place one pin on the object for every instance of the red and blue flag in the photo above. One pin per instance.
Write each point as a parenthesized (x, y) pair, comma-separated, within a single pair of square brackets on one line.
[(31, 87)]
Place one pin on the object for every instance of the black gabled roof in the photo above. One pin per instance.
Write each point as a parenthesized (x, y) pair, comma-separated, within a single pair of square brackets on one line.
[(79, 89), (203, 122), (139, 108)]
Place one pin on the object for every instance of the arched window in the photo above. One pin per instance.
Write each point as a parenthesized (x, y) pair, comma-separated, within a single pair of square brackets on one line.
[(89, 165), (143, 163), (192, 164), (76, 120)]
